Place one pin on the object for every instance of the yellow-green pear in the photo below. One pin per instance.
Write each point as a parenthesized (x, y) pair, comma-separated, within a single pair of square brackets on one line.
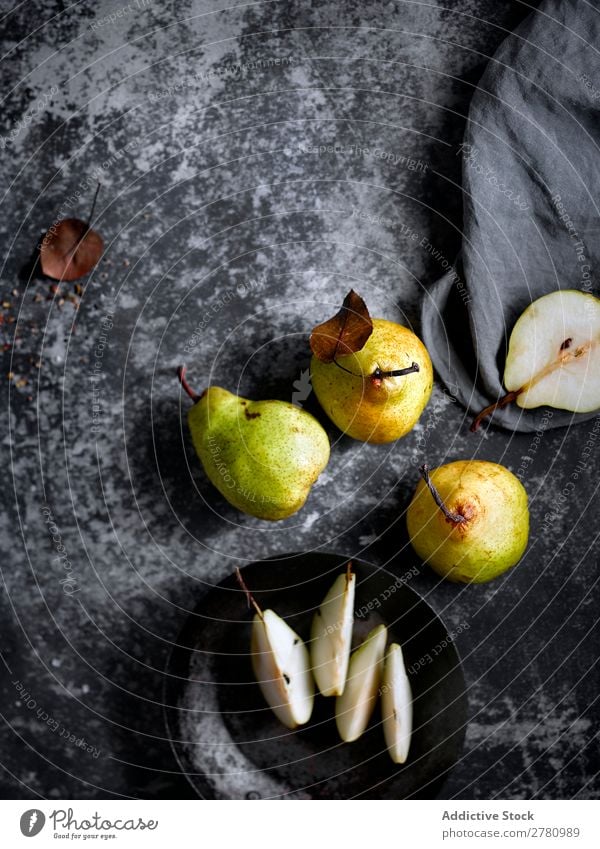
[(354, 707), (263, 456), (469, 520), (362, 392), (331, 635), (396, 705)]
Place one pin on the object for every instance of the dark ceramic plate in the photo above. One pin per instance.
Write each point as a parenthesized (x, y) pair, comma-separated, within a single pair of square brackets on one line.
[(229, 744)]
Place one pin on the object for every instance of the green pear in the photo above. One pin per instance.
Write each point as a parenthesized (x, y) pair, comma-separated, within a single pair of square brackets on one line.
[(554, 355), (331, 635), (469, 520), (361, 392), (396, 705), (263, 456), (281, 664), (354, 707)]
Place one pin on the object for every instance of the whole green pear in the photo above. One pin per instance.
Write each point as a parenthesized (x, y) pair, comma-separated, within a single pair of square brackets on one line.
[(262, 456), (469, 520)]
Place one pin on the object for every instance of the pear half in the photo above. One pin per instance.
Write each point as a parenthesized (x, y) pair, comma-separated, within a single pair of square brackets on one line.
[(396, 705), (554, 356), (554, 353), (354, 707), (331, 635), (281, 665)]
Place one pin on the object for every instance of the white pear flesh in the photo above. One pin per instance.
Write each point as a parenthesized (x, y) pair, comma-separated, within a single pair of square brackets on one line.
[(354, 707), (554, 353), (396, 705), (331, 636), (281, 665)]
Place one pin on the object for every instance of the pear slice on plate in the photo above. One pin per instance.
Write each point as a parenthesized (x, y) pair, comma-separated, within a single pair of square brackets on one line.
[(354, 707), (554, 355), (281, 665), (331, 635), (396, 705)]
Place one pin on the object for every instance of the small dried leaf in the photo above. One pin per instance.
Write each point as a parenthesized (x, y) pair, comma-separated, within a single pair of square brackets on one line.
[(70, 249), (345, 333)]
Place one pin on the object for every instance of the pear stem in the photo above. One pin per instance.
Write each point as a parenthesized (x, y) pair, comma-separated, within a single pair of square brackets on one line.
[(249, 597), (186, 386), (378, 374), (92, 210), (457, 518), (503, 402), (348, 572)]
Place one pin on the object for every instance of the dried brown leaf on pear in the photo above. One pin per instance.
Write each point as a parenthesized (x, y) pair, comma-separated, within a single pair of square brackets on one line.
[(346, 333)]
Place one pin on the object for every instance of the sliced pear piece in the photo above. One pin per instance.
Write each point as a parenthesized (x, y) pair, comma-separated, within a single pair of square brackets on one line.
[(281, 665), (354, 707), (554, 355), (331, 635), (396, 705)]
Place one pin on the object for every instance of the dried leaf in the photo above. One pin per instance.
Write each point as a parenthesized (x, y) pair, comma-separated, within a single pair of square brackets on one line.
[(70, 249), (345, 333)]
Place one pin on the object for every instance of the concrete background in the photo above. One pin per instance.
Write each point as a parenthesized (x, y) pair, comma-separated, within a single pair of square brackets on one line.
[(228, 229)]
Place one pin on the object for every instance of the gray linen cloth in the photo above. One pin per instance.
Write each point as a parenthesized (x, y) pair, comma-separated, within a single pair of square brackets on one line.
[(531, 182)]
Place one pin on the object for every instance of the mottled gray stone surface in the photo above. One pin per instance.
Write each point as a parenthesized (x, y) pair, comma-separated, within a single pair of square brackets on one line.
[(221, 211)]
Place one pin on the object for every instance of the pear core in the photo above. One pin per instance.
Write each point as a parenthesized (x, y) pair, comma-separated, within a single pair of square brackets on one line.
[(494, 532), (365, 406)]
